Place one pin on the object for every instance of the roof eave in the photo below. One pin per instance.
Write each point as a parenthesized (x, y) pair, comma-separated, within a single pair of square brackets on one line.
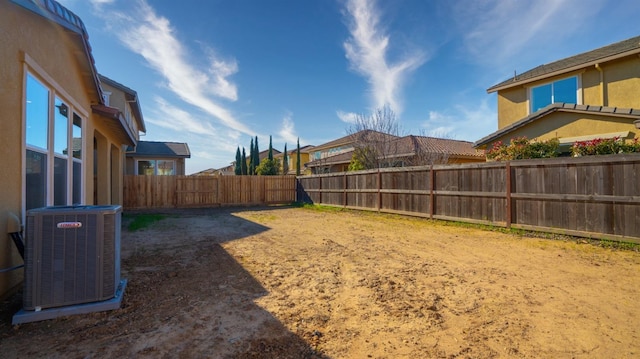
[(112, 113), (562, 71), (585, 109)]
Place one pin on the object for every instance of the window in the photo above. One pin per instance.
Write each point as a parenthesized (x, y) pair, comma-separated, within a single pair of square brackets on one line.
[(106, 96), (157, 167), (165, 168), (565, 90), (53, 172)]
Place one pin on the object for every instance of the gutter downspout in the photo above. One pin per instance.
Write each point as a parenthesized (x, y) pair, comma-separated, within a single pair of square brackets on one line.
[(597, 66)]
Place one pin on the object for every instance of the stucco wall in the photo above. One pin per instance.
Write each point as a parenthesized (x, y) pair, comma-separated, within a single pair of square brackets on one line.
[(116, 99), (622, 81), (512, 105), (22, 32), (563, 124)]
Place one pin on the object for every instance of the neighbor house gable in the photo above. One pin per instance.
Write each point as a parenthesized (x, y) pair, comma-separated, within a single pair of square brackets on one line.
[(122, 97)]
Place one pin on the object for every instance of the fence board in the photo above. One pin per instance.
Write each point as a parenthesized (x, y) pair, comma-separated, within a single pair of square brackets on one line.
[(590, 196), (141, 192)]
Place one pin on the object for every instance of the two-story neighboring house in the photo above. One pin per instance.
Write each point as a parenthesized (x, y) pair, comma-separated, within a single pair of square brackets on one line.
[(121, 97), (122, 106), (60, 143), (595, 94)]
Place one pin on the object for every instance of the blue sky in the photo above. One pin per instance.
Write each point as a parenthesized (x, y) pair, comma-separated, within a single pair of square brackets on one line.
[(215, 73)]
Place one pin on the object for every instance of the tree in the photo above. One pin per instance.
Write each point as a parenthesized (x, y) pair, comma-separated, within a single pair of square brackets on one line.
[(356, 164), (375, 139), (285, 161), (298, 159), (252, 164), (256, 156), (243, 167), (270, 149), (268, 167), (238, 167)]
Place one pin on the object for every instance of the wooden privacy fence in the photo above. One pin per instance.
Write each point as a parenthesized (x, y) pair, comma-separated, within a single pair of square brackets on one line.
[(144, 192), (595, 196)]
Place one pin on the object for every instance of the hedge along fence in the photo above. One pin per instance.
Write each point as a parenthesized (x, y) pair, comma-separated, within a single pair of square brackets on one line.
[(144, 192), (595, 196)]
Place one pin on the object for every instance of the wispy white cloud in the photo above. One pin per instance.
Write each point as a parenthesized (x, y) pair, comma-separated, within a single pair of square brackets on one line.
[(499, 31), (101, 2), (287, 131), (367, 50), (348, 117), (152, 36), (172, 117), (208, 145)]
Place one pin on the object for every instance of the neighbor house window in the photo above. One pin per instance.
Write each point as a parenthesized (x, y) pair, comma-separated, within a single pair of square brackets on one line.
[(53, 172), (157, 167), (565, 90)]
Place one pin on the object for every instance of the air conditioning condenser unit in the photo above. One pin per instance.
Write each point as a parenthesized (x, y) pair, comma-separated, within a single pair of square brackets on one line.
[(72, 261)]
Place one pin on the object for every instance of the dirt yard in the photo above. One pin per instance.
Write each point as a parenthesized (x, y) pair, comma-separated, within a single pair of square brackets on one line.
[(308, 283)]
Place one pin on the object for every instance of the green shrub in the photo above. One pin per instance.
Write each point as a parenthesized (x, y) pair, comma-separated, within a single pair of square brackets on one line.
[(521, 148), (601, 146)]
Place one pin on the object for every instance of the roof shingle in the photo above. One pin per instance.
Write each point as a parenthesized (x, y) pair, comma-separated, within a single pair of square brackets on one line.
[(575, 62), (160, 149)]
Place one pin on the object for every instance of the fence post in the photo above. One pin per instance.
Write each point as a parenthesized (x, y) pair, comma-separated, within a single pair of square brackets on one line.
[(379, 190), (431, 186), (320, 189), (344, 193), (508, 194)]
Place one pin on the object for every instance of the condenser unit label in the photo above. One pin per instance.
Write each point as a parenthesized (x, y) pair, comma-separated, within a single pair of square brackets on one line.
[(69, 225)]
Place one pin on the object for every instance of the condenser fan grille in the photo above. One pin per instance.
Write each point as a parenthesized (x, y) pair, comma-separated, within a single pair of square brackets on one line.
[(71, 255)]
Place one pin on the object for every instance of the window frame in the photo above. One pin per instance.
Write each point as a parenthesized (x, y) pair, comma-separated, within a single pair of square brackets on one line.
[(155, 162), (55, 92), (530, 90)]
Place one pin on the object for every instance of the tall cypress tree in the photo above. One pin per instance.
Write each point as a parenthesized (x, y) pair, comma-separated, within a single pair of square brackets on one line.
[(252, 157), (256, 154), (243, 167), (238, 167), (270, 149), (298, 159), (285, 161)]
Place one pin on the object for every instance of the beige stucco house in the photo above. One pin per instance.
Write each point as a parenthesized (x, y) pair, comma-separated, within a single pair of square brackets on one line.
[(595, 94), (61, 144)]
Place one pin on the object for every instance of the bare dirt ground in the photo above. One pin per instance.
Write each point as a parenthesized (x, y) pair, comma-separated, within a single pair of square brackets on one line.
[(305, 283)]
